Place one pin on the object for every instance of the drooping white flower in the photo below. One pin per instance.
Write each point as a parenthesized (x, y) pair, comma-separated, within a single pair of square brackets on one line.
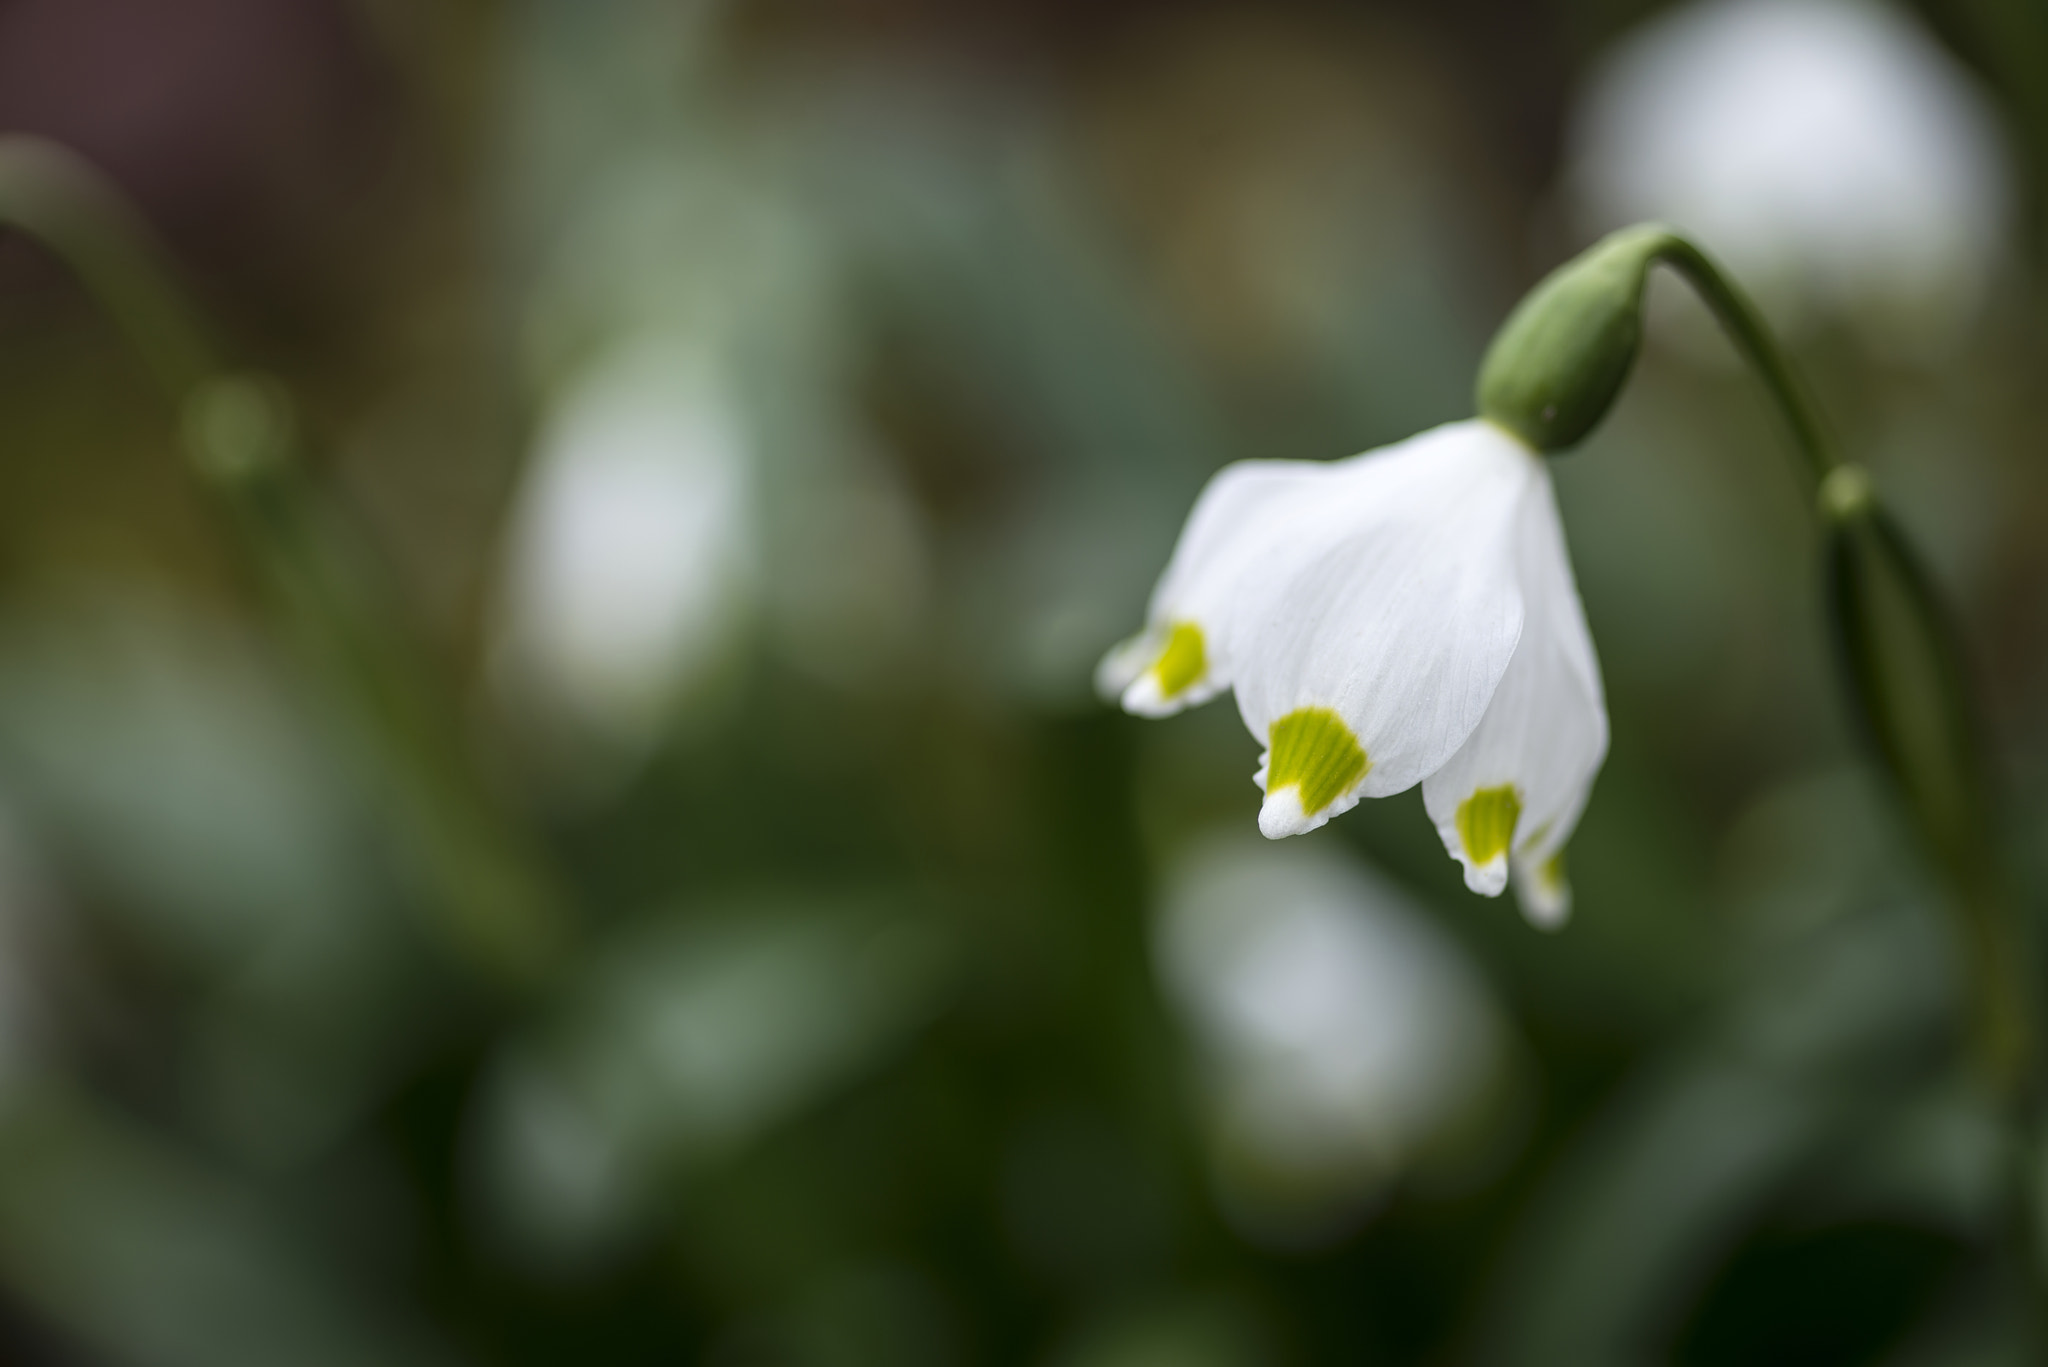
[(1834, 155), (1407, 615)]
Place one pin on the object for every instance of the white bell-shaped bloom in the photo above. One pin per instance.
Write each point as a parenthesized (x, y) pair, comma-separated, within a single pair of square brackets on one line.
[(1404, 616)]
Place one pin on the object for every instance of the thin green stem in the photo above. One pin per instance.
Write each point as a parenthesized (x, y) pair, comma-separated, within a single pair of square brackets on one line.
[(498, 905), (1905, 665), (51, 196), (1745, 328)]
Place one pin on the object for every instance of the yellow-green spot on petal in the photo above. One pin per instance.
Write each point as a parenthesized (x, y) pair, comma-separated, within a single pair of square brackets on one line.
[(1314, 750), (1486, 822), (1551, 874), (1183, 662)]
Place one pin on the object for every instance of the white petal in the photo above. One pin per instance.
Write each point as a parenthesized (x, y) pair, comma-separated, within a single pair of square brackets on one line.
[(1388, 600), (1281, 814), (1544, 891), (1126, 660), (1517, 786), (1159, 672)]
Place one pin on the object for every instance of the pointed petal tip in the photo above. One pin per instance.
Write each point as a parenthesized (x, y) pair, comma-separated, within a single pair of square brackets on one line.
[(1546, 901), (1149, 676), (1489, 879), (1119, 669), (1144, 698), (1282, 816)]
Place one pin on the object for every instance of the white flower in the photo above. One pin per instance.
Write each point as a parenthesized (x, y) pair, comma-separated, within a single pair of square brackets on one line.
[(1404, 616), (1342, 1035), (630, 556), (1831, 152)]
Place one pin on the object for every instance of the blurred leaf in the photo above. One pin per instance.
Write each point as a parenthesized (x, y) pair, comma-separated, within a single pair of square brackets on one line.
[(159, 747), (683, 1041), (159, 1262), (1817, 1055)]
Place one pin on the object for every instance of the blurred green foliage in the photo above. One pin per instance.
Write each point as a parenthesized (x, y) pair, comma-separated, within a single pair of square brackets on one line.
[(862, 1043)]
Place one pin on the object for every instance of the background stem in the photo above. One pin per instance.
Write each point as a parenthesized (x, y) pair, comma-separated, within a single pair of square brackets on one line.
[(1903, 661), (495, 901), (50, 195)]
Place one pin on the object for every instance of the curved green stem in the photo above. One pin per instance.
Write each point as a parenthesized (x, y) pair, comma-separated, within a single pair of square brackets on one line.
[(1745, 328), (499, 906), (1904, 661), (1561, 359), (1551, 376), (49, 195)]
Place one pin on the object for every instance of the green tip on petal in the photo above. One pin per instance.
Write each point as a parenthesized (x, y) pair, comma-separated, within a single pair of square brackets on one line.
[(1183, 662), (1313, 752), (1486, 823)]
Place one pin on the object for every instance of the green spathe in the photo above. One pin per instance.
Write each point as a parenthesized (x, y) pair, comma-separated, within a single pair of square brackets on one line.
[(1557, 363)]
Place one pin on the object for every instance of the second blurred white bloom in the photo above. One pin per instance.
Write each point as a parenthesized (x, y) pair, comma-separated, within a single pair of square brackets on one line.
[(632, 545), (1830, 151), (1342, 1032)]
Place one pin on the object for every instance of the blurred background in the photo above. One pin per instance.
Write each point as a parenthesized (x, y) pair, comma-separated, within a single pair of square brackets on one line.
[(739, 427)]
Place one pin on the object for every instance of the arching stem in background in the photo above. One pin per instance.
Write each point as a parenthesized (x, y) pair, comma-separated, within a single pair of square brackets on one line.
[(497, 906)]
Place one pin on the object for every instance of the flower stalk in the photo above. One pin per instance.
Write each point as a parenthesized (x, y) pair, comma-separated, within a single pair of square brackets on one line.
[(1558, 363), (497, 905), (1552, 373)]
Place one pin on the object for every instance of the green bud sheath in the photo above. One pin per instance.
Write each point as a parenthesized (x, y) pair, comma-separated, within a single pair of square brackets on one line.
[(1906, 676), (1563, 354), (1904, 671)]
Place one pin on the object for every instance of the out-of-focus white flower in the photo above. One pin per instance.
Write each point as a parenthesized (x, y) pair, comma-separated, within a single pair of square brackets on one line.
[(718, 292), (631, 553), (1407, 615), (1830, 152), (1341, 1032)]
